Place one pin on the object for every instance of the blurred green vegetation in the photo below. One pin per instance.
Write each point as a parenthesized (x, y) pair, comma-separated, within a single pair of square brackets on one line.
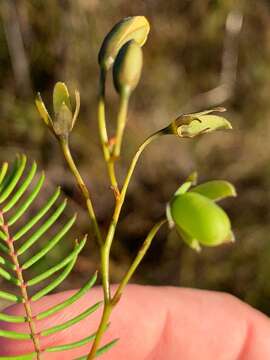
[(199, 54)]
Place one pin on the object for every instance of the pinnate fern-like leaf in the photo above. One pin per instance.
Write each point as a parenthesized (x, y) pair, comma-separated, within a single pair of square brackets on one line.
[(19, 188)]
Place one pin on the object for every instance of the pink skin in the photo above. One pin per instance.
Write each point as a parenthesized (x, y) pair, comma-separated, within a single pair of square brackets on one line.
[(156, 323)]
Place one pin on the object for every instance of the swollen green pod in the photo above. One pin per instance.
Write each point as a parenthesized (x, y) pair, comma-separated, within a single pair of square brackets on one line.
[(128, 67), (200, 219), (131, 28)]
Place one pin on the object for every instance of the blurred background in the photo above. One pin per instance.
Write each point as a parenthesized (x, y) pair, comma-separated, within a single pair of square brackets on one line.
[(199, 54)]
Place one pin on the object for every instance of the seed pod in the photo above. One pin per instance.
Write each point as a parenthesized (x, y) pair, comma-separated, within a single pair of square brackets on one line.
[(132, 28), (200, 220), (128, 67)]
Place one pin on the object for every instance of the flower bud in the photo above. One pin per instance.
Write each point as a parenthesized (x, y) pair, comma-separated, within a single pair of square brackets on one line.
[(64, 118), (132, 28), (194, 124), (128, 67)]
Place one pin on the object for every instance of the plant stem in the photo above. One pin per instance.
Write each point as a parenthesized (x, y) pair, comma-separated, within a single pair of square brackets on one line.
[(103, 130), (140, 255), (121, 123), (118, 206), (73, 168), (105, 252), (107, 309)]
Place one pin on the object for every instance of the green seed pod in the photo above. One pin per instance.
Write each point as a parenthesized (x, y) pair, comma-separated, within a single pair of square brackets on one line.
[(132, 28), (128, 67), (199, 220)]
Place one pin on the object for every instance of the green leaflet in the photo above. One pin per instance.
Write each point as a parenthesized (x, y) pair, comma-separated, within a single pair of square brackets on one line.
[(71, 345), (14, 179), (50, 244), (3, 171), (102, 350), (19, 188), (70, 300), (12, 318), (10, 297), (71, 322), (28, 226), (73, 255), (20, 357), (18, 194)]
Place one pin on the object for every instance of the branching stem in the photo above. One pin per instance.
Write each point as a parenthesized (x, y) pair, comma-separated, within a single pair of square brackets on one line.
[(140, 255), (109, 303)]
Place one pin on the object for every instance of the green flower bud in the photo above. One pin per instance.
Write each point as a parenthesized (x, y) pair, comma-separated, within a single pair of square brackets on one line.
[(132, 28), (199, 220), (128, 67), (64, 118), (194, 124)]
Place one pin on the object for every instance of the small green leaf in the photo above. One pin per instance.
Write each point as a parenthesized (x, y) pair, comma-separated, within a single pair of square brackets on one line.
[(10, 297), (30, 356), (58, 307), (69, 323), (12, 318), (14, 335), (215, 190), (101, 350), (3, 171), (73, 345), (60, 97)]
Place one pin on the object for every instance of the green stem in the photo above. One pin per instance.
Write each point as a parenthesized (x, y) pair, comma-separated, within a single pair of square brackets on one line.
[(103, 130), (119, 203), (107, 309), (83, 188), (105, 251), (140, 255), (121, 123)]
